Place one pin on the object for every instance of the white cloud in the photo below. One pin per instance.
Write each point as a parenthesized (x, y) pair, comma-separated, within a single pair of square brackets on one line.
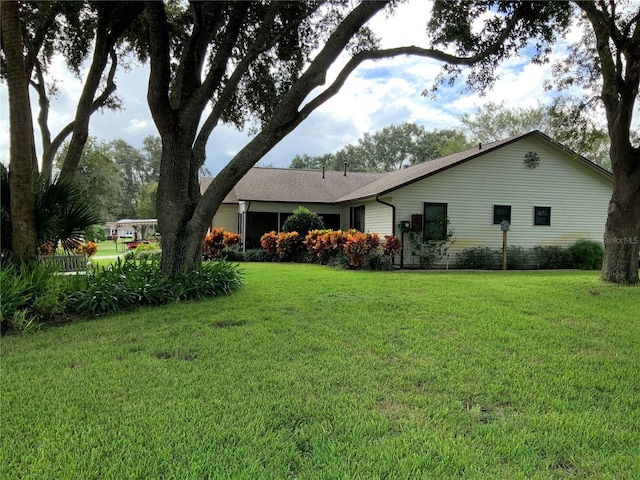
[(136, 125), (376, 95)]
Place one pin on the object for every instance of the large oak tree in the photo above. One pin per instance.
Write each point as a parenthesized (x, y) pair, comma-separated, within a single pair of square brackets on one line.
[(608, 59), (617, 61), (267, 62)]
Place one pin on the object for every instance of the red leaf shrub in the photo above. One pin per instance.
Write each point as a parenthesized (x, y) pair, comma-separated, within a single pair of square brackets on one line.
[(217, 240), (358, 245), (269, 242), (392, 246)]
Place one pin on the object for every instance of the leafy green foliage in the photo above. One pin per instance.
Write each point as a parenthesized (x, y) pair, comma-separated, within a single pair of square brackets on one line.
[(127, 285), (485, 258), (98, 179), (62, 212), (377, 261), (145, 252), (517, 257), (388, 149), (96, 233), (303, 221), (257, 255), (32, 294), (552, 256), (584, 254), (567, 121), (479, 258), (432, 245), (453, 25), (120, 181), (587, 254)]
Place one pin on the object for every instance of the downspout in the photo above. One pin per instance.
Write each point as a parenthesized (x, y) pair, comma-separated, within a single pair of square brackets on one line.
[(393, 226), (393, 214), (244, 226)]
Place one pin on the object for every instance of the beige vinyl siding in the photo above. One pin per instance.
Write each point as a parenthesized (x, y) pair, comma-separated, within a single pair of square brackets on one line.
[(577, 194), (227, 218), (378, 217)]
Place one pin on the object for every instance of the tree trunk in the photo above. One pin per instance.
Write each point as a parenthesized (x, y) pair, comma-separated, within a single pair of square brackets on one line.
[(182, 235), (622, 230), (22, 150)]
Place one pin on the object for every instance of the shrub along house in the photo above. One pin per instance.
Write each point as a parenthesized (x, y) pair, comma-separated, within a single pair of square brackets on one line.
[(549, 194)]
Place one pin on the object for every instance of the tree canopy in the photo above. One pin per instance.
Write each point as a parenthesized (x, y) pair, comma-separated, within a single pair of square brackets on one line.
[(97, 32), (388, 149), (565, 120)]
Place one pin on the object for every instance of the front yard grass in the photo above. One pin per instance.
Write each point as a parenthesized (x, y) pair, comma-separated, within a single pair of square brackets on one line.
[(308, 372)]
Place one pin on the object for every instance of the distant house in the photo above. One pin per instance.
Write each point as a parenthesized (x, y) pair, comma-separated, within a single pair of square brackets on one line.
[(128, 228), (548, 193)]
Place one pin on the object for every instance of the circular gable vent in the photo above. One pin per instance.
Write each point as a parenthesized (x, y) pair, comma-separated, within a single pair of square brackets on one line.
[(531, 159)]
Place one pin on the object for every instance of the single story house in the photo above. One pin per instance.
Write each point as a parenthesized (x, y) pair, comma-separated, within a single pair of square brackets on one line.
[(549, 194), (127, 228)]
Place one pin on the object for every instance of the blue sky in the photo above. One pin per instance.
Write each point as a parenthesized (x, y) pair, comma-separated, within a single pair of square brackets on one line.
[(378, 94)]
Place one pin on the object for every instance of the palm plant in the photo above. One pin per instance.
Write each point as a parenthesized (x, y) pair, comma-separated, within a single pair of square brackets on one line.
[(62, 212)]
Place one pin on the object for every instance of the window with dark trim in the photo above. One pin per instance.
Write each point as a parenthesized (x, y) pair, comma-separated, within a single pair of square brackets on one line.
[(357, 218), (501, 213), (435, 221), (542, 215)]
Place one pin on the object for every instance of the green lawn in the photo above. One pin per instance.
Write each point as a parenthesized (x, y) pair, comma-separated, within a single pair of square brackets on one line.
[(107, 253), (308, 372)]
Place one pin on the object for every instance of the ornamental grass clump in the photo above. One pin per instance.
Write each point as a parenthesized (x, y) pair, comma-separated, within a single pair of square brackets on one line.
[(32, 294), (126, 285)]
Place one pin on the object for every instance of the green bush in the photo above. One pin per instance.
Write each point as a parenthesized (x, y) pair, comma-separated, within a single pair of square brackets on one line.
[(145, 252), (95, 233), (341, 261), (479, 258), (32, 294), (587, 254), (552, 256), (303, 221), (127, 285), (377, 262), (517, 257), (258, 255), (232, 254)]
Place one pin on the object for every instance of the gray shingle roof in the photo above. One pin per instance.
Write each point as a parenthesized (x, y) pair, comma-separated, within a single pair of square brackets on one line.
[(292, 185)]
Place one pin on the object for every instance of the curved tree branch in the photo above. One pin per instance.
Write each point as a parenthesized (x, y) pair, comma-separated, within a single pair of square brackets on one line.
[(265, 40), (49, 153), (113, 20), (160, 67)]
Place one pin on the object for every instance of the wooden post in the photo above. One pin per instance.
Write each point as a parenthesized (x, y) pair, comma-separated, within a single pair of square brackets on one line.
[(504, 250)]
